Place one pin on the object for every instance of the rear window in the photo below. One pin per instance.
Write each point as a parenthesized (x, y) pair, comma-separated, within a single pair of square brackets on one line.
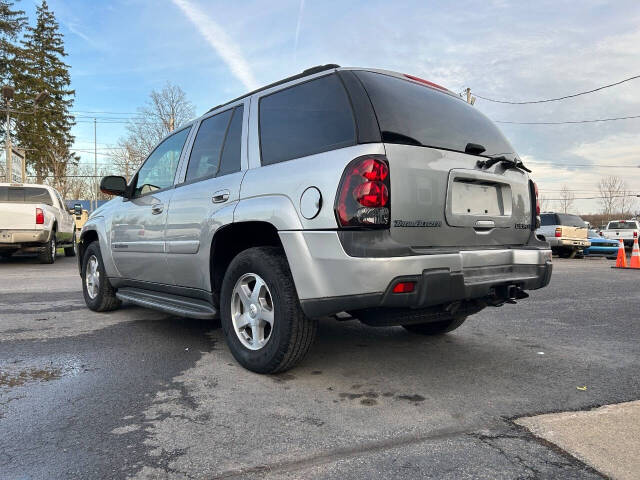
[(414, 114), (305, 119), (570, 220), (25, 195), (622, 226), (547, 219)]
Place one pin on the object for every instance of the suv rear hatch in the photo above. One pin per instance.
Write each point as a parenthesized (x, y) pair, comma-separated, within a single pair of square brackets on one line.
[(440, 195)]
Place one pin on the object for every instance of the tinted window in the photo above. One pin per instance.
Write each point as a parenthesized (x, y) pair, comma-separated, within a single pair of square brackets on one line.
[(25, 195), (414, 114), (571, 220), (309, 118), (205, 154), (547, 219), (622, 225), (230, 161), (159, 169)]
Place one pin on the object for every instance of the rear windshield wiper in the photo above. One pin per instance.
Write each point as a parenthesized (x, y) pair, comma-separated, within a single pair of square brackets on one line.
[(507, 163)]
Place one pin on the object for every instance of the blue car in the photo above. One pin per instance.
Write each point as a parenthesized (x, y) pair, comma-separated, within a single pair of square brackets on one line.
[(601, 246)]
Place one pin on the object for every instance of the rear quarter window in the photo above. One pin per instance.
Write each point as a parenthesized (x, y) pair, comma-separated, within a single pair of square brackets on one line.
[(305, 119)]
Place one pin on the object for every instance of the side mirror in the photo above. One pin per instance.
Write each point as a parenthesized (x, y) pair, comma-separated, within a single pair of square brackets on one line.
[(113, 185)]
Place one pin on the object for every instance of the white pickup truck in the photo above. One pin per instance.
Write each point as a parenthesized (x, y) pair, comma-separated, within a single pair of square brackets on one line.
[(34, 218), (622, 229)]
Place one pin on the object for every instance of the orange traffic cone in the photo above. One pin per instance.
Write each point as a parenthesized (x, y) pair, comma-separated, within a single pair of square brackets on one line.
[(635, 255), (621, 261)]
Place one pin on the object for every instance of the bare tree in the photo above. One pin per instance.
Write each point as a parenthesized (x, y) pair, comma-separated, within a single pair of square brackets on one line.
[(611, 191), (566, 199), (628, 202), (165, 111), (125, 159), (545, 203)]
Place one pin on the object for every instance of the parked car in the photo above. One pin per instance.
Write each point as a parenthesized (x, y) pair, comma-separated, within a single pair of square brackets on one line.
[(626, 230), (336, 190), (33, 218), (601, 246), (566, 233)]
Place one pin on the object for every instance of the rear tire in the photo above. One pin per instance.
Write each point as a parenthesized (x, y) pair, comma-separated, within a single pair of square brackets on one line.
[(568, 253), (435, 328), (98, 293), (247, 305), (49, 250), (71, 251)]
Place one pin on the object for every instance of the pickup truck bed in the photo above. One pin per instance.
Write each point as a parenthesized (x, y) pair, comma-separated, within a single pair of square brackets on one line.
[(626, 230)]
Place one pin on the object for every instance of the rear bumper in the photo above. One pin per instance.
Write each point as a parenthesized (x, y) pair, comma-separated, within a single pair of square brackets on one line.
[(20, 238), (568, 242), (329, 281)]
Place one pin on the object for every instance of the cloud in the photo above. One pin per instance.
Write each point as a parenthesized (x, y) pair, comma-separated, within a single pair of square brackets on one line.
[(224, 46), (295, 44)]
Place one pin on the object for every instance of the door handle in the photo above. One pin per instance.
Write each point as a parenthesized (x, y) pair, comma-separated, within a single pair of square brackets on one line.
[(220, 196), (157, 208)]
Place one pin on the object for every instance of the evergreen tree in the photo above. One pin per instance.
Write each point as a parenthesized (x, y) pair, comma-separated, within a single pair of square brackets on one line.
[(11, 24), (47, 134)]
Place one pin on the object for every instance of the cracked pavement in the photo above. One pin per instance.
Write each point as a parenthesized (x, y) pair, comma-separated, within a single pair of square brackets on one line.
[(139, 394)]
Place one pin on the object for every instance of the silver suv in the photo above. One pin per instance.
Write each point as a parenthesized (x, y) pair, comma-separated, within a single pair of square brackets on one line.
[(336, 190)]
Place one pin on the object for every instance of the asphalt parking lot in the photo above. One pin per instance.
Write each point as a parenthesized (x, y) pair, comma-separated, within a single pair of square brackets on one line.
[(139, 394)]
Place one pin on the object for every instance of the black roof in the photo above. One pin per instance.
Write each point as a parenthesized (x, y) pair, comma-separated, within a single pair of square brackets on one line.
[(308, 71)]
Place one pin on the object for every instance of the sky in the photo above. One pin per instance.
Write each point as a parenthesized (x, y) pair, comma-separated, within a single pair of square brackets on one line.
[(120, 50)]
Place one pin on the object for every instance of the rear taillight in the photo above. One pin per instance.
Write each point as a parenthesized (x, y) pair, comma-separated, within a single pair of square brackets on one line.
[(404, 287), (558, 232), (536, 218), (364, 198), (635, 234), (39, 216)]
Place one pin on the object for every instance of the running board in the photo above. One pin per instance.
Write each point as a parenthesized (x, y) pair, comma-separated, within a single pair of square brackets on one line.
[(169, 303)]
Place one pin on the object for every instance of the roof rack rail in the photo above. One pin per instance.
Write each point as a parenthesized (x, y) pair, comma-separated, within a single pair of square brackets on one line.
[(308, 71)]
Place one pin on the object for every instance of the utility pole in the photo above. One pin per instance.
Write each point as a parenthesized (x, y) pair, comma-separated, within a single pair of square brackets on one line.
[(95, 161), (470, 98)]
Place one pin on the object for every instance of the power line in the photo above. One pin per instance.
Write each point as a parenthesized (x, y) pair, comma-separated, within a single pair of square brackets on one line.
[(570, 121), (536, 162), (558, 98), (593, 198)]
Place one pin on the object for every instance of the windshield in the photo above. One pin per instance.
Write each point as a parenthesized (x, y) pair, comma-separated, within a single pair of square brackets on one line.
[(622, 226), (413, 114)]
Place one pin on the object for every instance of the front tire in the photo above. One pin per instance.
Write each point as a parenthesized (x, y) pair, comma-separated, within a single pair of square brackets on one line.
[(49, 250), (263, 324), (98, 293), (436, 328)]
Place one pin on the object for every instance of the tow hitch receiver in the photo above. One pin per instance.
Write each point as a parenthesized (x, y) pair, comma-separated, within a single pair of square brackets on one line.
[(502, 294)]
